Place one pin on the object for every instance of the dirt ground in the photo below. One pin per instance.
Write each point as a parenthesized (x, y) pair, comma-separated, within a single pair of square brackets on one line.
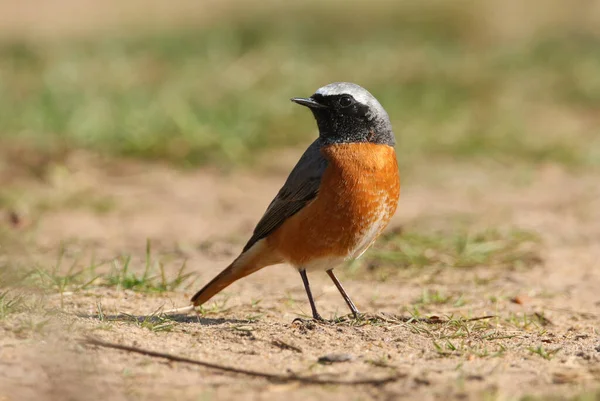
[(542, 339), (205, 216)]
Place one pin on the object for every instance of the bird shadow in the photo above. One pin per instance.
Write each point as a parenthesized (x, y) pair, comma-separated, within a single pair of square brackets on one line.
[(161, 318)]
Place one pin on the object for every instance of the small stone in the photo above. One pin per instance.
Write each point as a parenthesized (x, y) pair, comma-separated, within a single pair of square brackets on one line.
[(335, 358), (521, 299)]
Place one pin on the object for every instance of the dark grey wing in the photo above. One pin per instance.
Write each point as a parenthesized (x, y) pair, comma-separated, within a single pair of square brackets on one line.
[(300, 188)]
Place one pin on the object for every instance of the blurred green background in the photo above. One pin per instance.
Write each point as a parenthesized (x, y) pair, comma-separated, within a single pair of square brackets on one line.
[(507, 81)]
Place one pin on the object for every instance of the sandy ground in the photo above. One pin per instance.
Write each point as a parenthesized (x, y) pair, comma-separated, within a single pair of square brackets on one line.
[(205, 216), (97, 210)]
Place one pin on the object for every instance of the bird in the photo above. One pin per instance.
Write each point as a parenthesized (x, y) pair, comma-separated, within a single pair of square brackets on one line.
[(336, 201)]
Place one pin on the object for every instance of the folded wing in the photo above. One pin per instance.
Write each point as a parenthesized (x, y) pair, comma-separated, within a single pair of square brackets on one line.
[(301, 187)]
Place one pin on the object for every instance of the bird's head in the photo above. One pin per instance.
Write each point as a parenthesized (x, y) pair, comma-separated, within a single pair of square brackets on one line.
[(348, 113)]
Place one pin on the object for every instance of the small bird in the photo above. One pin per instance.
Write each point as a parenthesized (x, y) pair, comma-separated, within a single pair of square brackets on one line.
[(335, 202)]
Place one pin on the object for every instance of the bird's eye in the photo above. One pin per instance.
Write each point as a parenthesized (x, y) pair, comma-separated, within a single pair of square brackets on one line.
[(346, 101)]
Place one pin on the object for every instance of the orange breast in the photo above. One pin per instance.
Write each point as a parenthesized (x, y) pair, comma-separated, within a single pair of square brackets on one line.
[(358, 196)]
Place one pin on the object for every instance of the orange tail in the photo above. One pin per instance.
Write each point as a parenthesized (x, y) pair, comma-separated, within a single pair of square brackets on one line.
[(254, 259)]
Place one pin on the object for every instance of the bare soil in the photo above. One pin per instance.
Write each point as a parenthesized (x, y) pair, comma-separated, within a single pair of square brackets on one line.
[(205, 216), (543, 339)]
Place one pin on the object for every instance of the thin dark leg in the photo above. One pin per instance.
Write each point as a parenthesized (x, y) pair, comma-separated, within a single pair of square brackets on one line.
[(315, 314), (343, 292)]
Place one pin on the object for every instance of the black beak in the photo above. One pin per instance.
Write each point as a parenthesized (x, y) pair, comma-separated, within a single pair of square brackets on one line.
[(308, 102)]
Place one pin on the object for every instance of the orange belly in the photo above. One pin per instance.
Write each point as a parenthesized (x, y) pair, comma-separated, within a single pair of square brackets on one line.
[(357, 198)]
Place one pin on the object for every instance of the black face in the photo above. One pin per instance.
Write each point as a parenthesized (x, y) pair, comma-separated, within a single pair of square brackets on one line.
[(343, 119), (342, 105)]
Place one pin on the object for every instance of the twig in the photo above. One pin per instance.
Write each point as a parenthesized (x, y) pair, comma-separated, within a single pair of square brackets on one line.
[(480, 318), (185, 309), (284, 345), (62, 294), (253, 373)]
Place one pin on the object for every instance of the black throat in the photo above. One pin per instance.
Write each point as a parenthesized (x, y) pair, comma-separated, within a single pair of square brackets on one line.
[(343, 128)]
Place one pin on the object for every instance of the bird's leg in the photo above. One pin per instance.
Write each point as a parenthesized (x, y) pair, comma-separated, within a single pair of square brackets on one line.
[(315, 314), (343, 292)]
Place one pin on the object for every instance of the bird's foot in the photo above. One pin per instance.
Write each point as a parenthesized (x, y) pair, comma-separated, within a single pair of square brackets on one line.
[(353, 319), (310, 323)]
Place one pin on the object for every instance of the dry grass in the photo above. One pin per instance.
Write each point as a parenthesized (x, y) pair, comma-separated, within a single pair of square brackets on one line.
[(459, 82)]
